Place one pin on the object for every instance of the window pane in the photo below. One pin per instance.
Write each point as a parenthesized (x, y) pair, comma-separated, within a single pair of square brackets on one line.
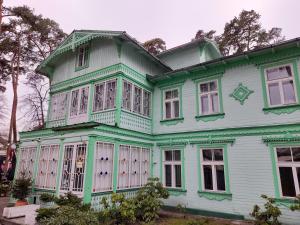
[(74, 103), (288, 92), (110, 94), (204, 104), (204, 88), (168, 110), (176, 109), (220, 178), (176, 155), (168, 94), (298, 175), (208, 180), (126, 96), (99, 97), (218, 155), (278, 73), (168, 176), (207, 154), (84, 100), (146, 103), (86, 56), (177, 175), (213, 86), (137, 99), (296, 154), (168, 155), (175, 93), (284, 155), (274, 94), (287, 181), (215, 102)]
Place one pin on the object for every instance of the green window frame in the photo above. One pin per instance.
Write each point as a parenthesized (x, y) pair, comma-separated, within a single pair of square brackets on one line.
[(210, 116), (82, 57), (283, 108), (213, 195), (171, 121), (173, 190)]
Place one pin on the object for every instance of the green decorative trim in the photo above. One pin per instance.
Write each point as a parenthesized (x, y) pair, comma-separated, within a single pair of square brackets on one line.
[(209, 194), (210, 117), (35, 169), (176, 191), (207, 213), (287, 109), (59, 166), (213, 140), (116, 166), (241, 93), (91, 100), (78, 68), (286, 202), (170, 122), (288, 137), (119, 101), (172, 142), (218, 196), (88, 182)]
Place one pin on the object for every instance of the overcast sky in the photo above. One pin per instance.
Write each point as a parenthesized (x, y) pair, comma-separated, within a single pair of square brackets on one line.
[(175, 21)]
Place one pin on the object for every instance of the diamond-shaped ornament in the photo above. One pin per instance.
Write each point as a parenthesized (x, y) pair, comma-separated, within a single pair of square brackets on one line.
[(241, 93)]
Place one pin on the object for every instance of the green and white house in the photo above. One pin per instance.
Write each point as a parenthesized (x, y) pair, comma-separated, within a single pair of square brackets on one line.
[(218, 131)]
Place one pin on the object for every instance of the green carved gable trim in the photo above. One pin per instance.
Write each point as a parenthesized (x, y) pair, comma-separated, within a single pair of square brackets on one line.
[(241, 93), (218, 196), (213, 140), (288, 137)]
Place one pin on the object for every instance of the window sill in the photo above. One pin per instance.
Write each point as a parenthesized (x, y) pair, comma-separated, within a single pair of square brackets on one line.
[(282, 109), (286, 202), (170, 122), (219, 196), (210, 117), (176, 191), (81, 68), (98, 193)]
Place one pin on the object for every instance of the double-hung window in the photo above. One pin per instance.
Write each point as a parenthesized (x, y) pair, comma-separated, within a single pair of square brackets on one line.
[(171, 104), (172, 169), (280, 86), (212, 169), (82, 57), (288, 166), (105, 95), (209, 97), (58, 106)]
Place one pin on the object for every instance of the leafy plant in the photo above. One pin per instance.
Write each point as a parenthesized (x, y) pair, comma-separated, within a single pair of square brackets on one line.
[(296, 206), (5, 187), (45, 213), (148, 200), (21, 187), (45, 197), (267, 216)]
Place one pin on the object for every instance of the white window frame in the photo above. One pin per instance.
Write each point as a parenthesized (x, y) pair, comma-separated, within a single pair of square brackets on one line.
[(213, 165), (26, 159), (104, 98), (280, 81), (172, 163), (172, 105), (291, 164), (209, 94), (85, 56), (58, 106)]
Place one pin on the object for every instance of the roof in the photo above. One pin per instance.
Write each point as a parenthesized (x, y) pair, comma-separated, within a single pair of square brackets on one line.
[(228, 59), (79, 37)]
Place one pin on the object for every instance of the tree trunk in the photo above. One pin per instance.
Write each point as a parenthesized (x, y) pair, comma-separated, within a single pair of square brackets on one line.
[(1, 9)]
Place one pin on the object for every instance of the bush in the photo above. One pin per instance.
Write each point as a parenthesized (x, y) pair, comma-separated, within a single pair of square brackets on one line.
[(21, 187), (4, 188), (148, 200), (296, 206), (267, 216), (45, 197), (45, 213)]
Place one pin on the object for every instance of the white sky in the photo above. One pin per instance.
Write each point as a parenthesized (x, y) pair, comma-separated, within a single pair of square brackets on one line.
[(175, 21)]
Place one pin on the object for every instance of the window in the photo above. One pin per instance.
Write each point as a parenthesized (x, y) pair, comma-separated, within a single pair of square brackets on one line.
[(288, 163), (172, 168), (280, 86), (58, 106), (47, 167), (209, 97), (79, 101), (213, 176), (26, 161), (105, 96), (103, 167), (136, 99), (171, 104), (134, 166), (82, 56)]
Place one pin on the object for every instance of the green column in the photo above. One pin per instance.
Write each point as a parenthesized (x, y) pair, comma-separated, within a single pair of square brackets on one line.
[(119, 101), (91, 98), (59, 166), (88, 179), (36, 163), (116, 164)]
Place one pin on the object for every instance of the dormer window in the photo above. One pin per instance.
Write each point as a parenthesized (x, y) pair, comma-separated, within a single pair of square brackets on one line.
[(82, 57)]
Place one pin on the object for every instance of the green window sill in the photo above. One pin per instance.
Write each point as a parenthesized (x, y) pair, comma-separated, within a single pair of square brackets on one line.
[(176, 191), (81, 68), (170, 122), (282, 109), (101, 193), (210, 117), (286, 202), (219, 196)]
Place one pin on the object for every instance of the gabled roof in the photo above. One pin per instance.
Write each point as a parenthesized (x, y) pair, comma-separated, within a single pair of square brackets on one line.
[(79, 37)]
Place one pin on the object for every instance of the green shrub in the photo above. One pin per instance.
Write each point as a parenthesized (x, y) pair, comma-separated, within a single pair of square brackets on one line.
[(5, 187), (296, 206), (148, 200), (267, 216), (21, 187), (45, 213), (45, 197), (72, 200)]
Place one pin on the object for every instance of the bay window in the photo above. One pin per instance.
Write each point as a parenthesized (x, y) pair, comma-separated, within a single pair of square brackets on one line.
[(172, 168)]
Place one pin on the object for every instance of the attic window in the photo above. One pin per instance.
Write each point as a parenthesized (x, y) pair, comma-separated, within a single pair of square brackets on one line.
[(82, 57)]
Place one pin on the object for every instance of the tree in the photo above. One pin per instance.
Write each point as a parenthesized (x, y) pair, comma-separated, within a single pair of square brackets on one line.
[(202, 34), (244, 33), (155, 46), (2, 108)]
